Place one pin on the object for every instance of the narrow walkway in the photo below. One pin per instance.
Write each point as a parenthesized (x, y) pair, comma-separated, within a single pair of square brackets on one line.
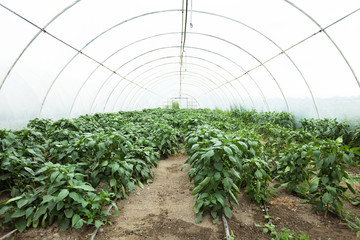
[(162, 210)]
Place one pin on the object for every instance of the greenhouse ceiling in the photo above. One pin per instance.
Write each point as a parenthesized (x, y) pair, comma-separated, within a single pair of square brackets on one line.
[(69, 58)]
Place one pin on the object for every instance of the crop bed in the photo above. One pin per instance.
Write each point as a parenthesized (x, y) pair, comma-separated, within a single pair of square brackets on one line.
[(68, 171)]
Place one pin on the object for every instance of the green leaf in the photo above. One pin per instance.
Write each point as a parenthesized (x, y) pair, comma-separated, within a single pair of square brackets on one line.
[(18, 213), (102, 148), (232, 159), (235, 148), (313, 188), (131, 186), (114, 168), (227, 212), (214, 214), (258, 174), (29, 211), (228, 151), (112, 182), (40, 211), (98, 223), (85, 187), (69, 212), (327, 198), (35, 223), (217, 176), (47, 198), (198, 204), (54, 175), (218, 166), (209, 154), (227, 183), (21, 203), (64, 223), (235, 173), (104, 163), (76, 197), (183, 166), (76, 221), (5, 209), (195, 147), (59, 206), (140, 185), (324, 180), (198, 218), (339, 139), (20, 224), (29, 170), (63, 194), (91, 144), (317, 154), (319, 163), (220, 199), (43, 222)]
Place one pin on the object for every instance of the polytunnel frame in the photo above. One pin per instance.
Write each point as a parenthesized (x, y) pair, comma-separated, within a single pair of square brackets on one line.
[(139, 66), (328, 36), (191, 84), (166, 57), (177, 71), (192, 64), (65, 43), (33, 39), (142, 15), (43, 30), (186, 92), (165, 34), (136, 106), (199, 86), (188, 95), (242, 49), (222, 68), (176, 63), (169, 63), (196, 76), (201, 76)]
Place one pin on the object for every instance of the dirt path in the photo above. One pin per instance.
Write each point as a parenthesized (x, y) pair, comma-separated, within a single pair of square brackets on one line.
[(162, 210)]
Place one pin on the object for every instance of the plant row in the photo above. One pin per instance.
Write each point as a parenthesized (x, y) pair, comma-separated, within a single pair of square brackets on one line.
[(68, 170)]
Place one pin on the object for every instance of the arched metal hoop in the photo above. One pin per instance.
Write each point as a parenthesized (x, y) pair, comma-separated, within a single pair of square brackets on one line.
[(139, 96), (156, 75), (329, 37), (33, 39), (166, 57), (188, 47), (44, 100)]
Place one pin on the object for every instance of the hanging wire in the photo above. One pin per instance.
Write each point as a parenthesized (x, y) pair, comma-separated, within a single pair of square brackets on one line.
[(183, 40), (185, 25), (191, 12)]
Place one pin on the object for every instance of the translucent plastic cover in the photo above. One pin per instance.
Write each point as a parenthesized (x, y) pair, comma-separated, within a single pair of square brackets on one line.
[(68, 58)]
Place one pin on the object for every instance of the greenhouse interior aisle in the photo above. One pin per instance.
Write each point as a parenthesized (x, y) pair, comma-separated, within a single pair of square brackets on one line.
[(261, 96)]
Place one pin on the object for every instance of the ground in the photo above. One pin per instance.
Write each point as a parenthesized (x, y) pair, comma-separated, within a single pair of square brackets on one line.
[(164, 210)]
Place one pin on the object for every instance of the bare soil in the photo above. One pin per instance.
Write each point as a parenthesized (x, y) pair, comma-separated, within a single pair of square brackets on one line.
[(164, 210)]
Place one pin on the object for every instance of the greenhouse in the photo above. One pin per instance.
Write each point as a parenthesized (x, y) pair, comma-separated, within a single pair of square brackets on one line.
[(185, 119)]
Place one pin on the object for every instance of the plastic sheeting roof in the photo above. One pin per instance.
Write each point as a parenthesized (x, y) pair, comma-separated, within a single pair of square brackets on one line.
[(67, 58)]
